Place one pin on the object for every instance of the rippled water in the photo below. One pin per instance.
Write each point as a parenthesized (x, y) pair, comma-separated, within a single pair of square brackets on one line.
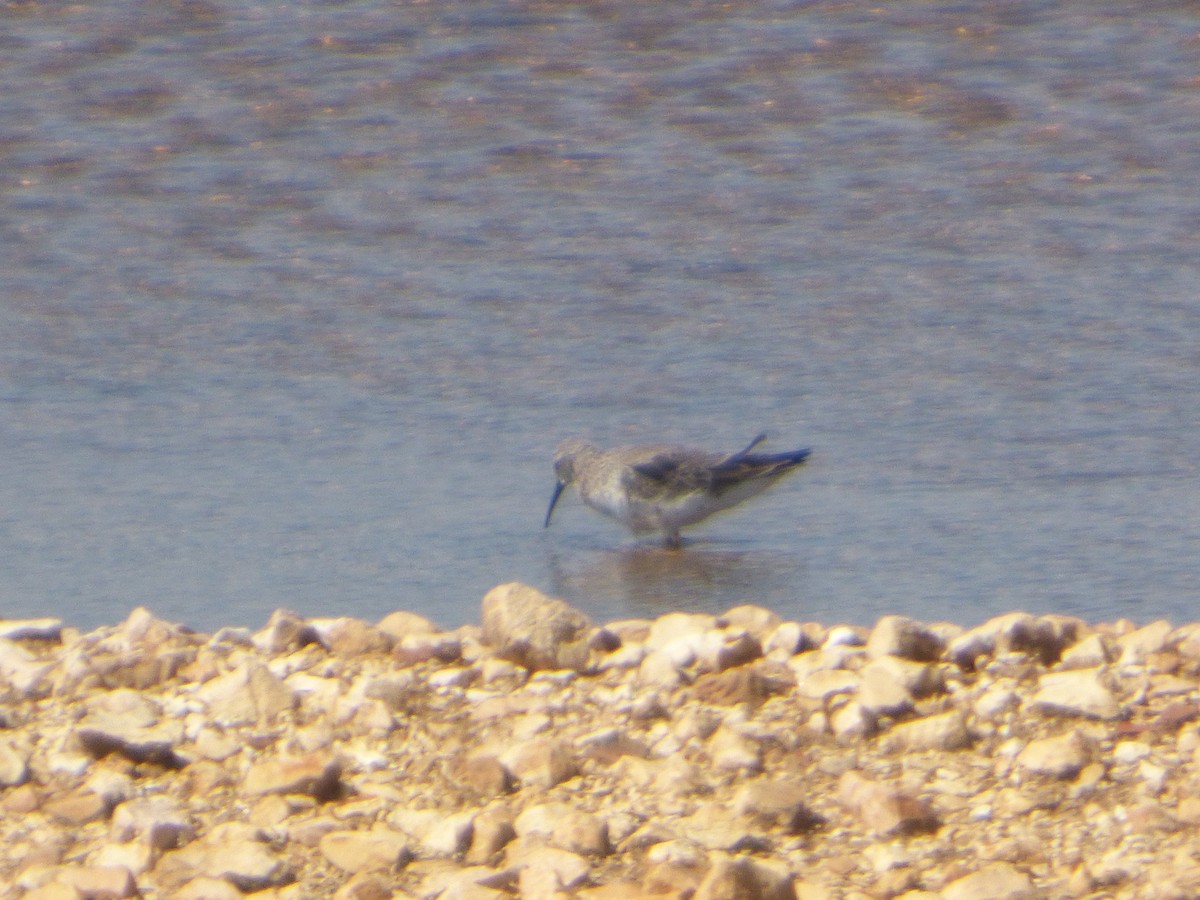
[(297, 299)]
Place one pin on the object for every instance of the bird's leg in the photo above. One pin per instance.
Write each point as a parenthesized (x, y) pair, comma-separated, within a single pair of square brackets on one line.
[(672, 539)]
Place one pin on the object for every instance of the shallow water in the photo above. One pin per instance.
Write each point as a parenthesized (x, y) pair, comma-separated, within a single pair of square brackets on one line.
[(296, 301)]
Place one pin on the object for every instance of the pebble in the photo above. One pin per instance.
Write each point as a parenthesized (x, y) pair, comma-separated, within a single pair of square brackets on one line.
[(713, 756)]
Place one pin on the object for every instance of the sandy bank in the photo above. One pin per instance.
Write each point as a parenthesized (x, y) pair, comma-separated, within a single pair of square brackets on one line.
[(540, 756)]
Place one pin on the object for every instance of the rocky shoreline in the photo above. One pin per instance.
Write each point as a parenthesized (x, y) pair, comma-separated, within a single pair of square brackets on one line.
[(540, 756)]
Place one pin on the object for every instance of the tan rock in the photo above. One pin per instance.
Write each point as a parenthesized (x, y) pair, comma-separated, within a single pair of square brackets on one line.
[(710, 827), (786, 640), (348, 637), (135, 857), (562, 825), (22, 672), (544, 870), (76, 807), (994, 702), (316, 774), (1089, 653), (124, 721), (883, 808), (726, 649), (781, 802), (379, 849), (903, 637), (284, 632), (455, 882), (159, 822), (944, 731), (671, 880), (14, 765), (215, 744), (670, 628), (21, 800), (205, 888), (99, 882), (533, 630), (437, 833), (1137, 646), (809, 890), (613, 890), (608, 745), (493, 829), (411, 649), (248, 695), (742, 878), (851, 722), (920, 679), (54, 890), (826, 683), (481, 774), (1042, 638), (998, 881), (365, 886), (233, 852), (732, 751), (541, 763), (656, 670), (400, 624), (757, 621)]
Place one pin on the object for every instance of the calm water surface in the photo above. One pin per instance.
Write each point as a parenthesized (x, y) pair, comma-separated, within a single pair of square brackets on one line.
[(297, 299)]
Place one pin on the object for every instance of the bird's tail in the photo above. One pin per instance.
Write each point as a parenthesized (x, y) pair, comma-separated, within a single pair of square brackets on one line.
[(746, 465), (745, 457)]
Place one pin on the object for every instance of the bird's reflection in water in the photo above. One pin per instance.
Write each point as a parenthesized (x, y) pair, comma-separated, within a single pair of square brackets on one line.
[(645, 580)]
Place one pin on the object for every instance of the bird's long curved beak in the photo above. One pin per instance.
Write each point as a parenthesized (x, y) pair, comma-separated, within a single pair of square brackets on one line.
[(558, 489)]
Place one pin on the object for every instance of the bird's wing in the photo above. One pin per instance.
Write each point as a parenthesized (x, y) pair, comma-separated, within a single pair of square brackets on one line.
[(669, 473)]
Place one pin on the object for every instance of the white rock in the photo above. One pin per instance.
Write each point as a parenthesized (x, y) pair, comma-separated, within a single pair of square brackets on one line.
[(14, 765), (825, 683), (1130, 751), (996, 700), (1077, 692), (561, 868), (842, 636), (678, 626), (21, 671), (246, 696), (1088, 653), (565, 827), (159, 822), (1136, 646), (882, 694), (786, 640), (658, 671), (31, 629), (997, 881), (851, 722), (731, 751), (1062, 756)]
